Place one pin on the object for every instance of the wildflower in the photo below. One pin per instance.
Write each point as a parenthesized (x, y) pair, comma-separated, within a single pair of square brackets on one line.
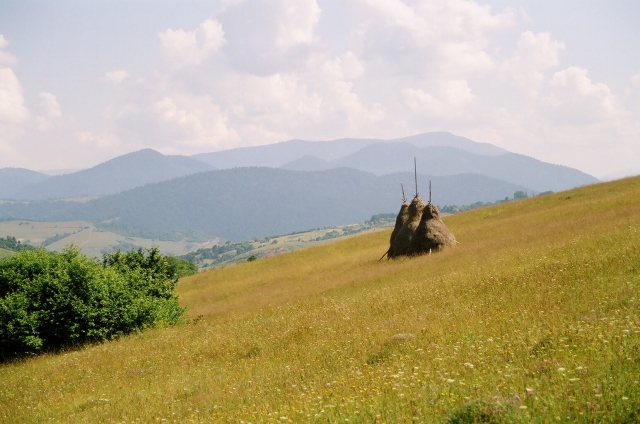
[(529, 391), (450, 380), (561, 369), (523, 407), (516, 397), (468, 365)]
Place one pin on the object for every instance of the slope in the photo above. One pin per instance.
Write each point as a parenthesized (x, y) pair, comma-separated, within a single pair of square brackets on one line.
[(243, 203), (12, 180), (5, 253), (533, 317), (118, 174)]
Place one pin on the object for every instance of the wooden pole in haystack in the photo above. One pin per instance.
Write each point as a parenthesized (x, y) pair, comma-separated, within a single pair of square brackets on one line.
[(415, 174), (404, 199)]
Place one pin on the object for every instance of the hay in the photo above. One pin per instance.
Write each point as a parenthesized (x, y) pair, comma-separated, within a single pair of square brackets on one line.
[(401, 219), (419, 230)]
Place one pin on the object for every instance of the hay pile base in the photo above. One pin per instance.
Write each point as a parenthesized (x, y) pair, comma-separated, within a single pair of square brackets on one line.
[(419, 230)]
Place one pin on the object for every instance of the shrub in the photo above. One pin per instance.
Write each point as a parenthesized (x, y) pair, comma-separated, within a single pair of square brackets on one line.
[(51, 300), (11, 243), (181, 267)]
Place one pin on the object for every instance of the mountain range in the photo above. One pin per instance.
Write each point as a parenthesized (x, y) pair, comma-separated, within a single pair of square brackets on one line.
[(279, 188), (113, 176), (438, 154), (243, 203)]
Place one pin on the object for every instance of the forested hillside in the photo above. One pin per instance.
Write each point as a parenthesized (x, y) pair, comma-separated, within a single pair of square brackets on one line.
[(243, 203)]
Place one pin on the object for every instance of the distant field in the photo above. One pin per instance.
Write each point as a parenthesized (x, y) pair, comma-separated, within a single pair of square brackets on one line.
[(533, 317), (91, 240), (271, 246), (4, 253)]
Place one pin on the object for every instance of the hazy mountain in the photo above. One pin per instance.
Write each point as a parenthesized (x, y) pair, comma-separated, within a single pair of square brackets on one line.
[(386, 158), (13, 180), (243, 203), (389, 157), (309, 163), (279, 154), (116, 175), (446, 139)]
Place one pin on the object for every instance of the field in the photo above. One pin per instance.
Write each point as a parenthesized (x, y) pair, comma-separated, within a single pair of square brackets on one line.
[(94, 241), (271, 246), (533, 317), (4, 253), (91, 240)]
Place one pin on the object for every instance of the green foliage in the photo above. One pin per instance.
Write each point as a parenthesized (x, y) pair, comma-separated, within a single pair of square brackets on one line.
[(381, 218), (11, 243), (53, 239), (520, 195), (484, 411), (252, 258), (181, 267), (122, 246), (51, 300), (219, 253)]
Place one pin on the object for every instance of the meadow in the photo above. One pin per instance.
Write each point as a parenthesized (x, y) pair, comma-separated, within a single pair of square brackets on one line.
[(90, 239), (533, 317)]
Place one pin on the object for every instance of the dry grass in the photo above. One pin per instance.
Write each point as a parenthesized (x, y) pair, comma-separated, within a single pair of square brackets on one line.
[(534, 316)]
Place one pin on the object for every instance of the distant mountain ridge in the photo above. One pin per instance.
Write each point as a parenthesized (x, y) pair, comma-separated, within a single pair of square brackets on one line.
[(278, 154), (388, 157), (438, 153), (119, 174), (13, 180), (242, 203)]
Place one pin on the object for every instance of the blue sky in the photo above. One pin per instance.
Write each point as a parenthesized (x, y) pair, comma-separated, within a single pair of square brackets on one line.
[(82, 82)]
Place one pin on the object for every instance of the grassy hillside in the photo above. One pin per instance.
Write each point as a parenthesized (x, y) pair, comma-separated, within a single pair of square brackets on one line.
[(534, 316), (4, 253)]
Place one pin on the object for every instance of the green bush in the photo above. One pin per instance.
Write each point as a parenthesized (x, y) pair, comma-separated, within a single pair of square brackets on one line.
[(50, 300), (11, 243), (181, 267)]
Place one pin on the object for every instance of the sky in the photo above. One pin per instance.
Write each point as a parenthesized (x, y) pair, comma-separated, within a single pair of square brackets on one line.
[(83, 82)]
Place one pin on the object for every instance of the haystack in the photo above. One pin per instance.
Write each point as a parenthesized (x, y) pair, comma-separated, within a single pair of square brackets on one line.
[(431, 234), (418, 230)]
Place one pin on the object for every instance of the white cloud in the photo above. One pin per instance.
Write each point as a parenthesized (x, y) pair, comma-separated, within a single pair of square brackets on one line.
[(6, 58), (51, 112), (451, 100), (346, 67), (577, 100), (193, 121), (116, 77), (188, 48), (535, 54), (297, 22), (445, 39), (101, 141), (12, 109), (434, 21), (635, 80)]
